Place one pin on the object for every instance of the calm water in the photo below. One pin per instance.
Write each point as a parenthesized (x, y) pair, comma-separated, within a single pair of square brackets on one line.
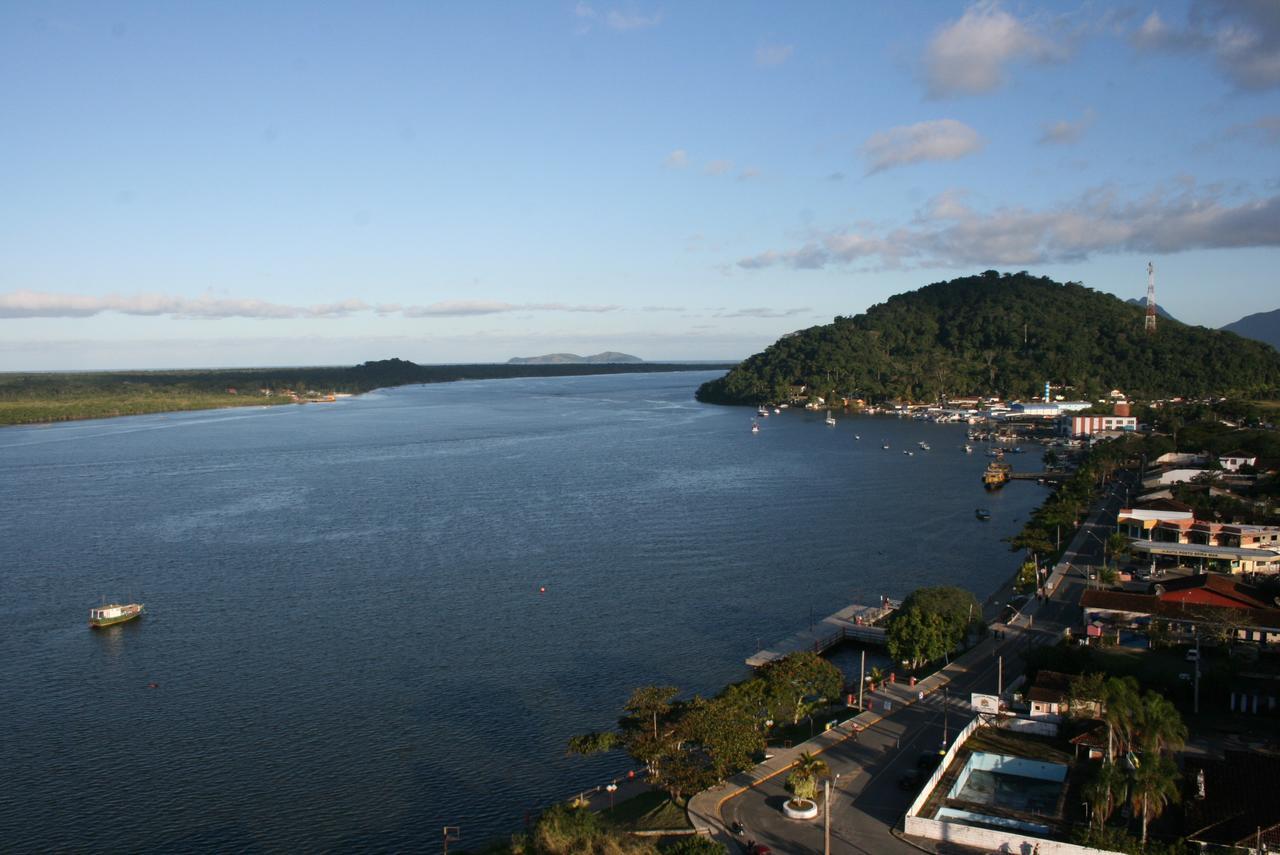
[(344, 618)]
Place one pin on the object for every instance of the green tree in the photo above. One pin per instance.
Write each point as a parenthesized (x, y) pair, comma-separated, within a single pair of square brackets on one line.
[(723, 733), (931, 623), (799, 683), (803, 780), (1120, 713), (1158, 725), (1104, 790), (1154, 785)]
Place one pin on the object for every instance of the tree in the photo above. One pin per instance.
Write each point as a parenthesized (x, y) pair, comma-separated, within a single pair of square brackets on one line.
[(1106, 789), (722, 733), (931, 623), (593, 743), (803, 780), (1154, 785), (1159, 727), (1087, 694), (1120, 714), (799, 683)]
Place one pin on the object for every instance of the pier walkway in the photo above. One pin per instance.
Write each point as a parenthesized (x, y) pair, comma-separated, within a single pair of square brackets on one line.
[(852, 623)]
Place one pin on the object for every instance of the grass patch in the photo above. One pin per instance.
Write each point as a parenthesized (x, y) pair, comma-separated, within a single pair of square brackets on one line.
[(786, 734), (996, 741), (650, 811)]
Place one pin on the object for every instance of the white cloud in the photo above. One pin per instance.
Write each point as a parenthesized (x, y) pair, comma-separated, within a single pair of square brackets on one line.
[(948, 233), (969, 56), (719, 167), (748, 173), (771, 55), (1065, 132), (1243, 37), (35, 304), (762, 312), (614, 19), (940, 139), (678, 159)]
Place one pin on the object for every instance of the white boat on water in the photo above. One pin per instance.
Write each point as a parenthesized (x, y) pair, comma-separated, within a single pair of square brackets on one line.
[(857, 436), (924, 446), (968, 449), (830, 419), (776, 411), (885, 446), (755, 427), (762, 410)]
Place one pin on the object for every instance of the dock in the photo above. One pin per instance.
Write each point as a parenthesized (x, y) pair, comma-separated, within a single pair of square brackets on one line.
[(852, 623)]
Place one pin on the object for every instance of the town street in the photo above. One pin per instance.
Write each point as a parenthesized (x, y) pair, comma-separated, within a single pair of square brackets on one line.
[(867, 797)]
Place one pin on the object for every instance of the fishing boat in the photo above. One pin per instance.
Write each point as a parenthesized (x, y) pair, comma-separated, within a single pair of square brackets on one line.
[(831, 420), (100, 616), (968, 449), (885, 446), (857, 436), (924, 446), (755, 427), (762, 410), (776, 411), (982, 514)]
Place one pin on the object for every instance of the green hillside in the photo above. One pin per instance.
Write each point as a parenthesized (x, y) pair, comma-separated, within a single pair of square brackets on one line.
[(1003, 335)]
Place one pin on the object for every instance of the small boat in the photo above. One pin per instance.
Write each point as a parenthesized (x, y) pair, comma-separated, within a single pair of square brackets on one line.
[(755, 427), (909, 453), (830, 418), (924, 446), (762, 410), (885, 446), (776, 411), (113, 613), (968, 449), (982, 514), (857, 436)]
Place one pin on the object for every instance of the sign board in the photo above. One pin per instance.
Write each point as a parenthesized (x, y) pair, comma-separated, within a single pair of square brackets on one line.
[(985, 703)]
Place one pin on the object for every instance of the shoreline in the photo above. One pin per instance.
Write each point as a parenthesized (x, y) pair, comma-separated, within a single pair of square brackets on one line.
[(167, 383)]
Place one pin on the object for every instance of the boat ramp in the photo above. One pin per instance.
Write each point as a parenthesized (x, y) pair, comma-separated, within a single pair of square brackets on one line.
[(852, 623)]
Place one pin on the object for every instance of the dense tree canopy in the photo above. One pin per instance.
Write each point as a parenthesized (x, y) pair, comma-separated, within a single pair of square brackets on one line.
[(1000, 334), (931, 623)]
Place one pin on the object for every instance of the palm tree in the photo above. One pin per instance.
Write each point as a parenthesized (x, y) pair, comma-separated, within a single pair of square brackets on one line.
[(805, 774), (1154, 786), (1159, 725), (1106, 789), (1120, 714)]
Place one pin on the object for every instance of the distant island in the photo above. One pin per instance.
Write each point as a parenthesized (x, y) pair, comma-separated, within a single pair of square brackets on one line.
[(34, 398), (609, 357), (1005, 335)]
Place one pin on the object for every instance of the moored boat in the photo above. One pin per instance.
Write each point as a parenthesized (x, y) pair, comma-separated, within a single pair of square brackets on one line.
[(113, 613), (983, 514)]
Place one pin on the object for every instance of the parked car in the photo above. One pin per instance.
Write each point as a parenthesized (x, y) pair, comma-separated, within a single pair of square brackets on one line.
[(1193, 655)]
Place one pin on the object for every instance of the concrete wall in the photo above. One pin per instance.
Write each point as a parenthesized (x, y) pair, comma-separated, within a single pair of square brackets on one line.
[(990, 840), (947, 759)]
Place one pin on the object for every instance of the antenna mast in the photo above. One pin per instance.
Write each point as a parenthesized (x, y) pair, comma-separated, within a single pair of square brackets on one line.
[(1151, 298)]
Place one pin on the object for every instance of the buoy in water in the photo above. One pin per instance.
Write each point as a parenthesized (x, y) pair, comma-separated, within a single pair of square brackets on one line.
[(542, 589), (153, 685)]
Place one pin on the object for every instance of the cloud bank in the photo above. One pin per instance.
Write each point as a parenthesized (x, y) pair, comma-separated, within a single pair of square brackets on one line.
[(1242, 37), (36, 304), (948, 233)]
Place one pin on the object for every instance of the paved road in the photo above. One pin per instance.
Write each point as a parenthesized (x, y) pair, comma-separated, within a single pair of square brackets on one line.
[(867, 800)]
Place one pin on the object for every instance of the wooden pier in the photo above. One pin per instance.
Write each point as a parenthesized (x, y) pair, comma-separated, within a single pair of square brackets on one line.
[(852, 623)]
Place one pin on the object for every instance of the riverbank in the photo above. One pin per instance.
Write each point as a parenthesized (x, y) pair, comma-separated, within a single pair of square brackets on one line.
[(40, 398)]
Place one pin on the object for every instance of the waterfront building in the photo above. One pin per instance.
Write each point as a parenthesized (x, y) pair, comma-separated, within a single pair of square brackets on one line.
[(1233, 461), (1185, 605)]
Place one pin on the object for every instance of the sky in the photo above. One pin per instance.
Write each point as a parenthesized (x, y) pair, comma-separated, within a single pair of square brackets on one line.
[(218, 184)]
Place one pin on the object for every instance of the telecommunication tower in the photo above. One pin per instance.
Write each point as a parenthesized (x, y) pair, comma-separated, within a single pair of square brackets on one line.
[(1151, 298)]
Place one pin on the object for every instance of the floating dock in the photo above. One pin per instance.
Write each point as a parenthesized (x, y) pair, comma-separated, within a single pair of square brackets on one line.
[(852, 623)]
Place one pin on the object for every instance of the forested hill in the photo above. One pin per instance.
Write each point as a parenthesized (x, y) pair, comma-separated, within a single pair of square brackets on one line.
[(1005, 335)]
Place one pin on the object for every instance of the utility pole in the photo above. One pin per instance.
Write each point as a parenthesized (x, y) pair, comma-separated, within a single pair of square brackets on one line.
[(1195, 707), (862, 682), (826, 822), (1000, 677)]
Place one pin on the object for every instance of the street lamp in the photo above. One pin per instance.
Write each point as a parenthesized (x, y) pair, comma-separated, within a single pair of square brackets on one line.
[(826, 823), (946, 708)]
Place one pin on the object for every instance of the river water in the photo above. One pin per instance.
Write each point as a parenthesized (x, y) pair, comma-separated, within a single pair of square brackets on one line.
[(347, 642)]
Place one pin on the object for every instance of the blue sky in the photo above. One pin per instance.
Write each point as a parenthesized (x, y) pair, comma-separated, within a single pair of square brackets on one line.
[(218, 184)]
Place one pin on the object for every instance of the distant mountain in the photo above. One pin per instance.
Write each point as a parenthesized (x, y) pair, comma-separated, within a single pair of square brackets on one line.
[(999, 334), (608, 357), (1262, 326), (1141, 302)]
